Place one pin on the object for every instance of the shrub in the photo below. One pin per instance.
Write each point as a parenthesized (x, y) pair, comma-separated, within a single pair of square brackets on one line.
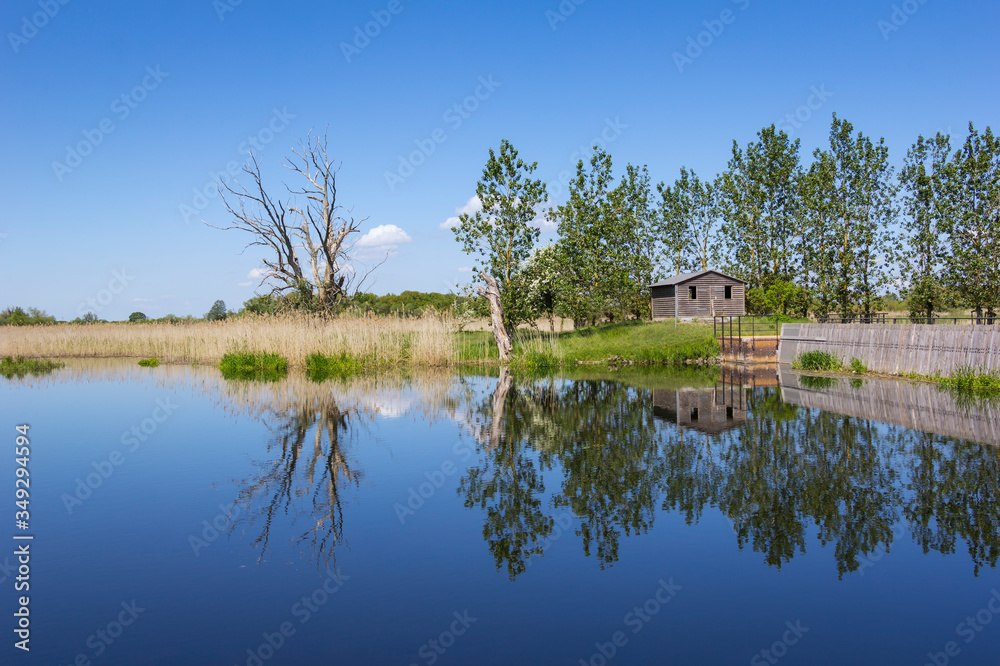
[(320, 367), (21, 366), (817, 361), (858, 367), (149, 362), (971, 379), (254, 366)]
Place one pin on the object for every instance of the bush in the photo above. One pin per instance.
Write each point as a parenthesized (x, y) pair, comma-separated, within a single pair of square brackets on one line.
[(320, 367), (858, 366), (21, 317), (21, 366), (254, 366), (971, 379), (137, 317), (149, 362), (817, 361)]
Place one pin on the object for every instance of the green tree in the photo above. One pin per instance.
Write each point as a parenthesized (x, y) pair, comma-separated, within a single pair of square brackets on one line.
[(17, 316), (502, 235), (217, 312), (136, 317), (852, 191), (584, 223), (759, 200), (543, 281), (926, 180), (637, 249), (973, 266)]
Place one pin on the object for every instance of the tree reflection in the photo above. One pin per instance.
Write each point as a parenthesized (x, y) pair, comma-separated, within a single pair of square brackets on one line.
[(781, 474), (303, 478)]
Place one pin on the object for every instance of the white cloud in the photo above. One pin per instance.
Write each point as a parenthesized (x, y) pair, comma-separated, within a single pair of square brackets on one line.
[(540, 221), (384, 235), (465, 269), (471, 207), (244, 284), (256, 274)]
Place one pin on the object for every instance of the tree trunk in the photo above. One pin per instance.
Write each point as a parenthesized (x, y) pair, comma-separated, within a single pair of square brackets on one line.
[(492, 294)]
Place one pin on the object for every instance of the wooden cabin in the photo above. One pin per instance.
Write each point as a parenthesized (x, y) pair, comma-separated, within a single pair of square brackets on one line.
[(698, 295)]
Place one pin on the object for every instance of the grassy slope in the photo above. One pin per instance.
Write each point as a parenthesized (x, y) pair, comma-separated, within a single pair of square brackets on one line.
[(630, 341)]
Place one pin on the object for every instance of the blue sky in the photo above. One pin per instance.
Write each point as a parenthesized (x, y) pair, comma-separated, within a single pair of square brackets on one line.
[(160, 95)]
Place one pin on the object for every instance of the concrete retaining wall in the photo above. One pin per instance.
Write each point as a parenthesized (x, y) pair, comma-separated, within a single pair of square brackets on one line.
[(917, 406), (897, 348)]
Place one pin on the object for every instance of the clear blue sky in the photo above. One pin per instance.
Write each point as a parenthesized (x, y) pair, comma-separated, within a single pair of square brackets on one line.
[(220, 75)]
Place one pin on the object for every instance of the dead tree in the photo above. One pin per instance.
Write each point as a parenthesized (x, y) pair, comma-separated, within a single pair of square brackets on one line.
[(492, 294), (308, 233)]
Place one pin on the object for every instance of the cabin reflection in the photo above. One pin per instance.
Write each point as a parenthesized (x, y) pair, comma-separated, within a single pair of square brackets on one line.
[(717, 409)]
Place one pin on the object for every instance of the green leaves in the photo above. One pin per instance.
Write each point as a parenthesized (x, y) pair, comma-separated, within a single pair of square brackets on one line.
[(502, 234)]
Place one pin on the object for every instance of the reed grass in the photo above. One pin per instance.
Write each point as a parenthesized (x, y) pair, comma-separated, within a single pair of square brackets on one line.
[(394, 341), (375, 343)]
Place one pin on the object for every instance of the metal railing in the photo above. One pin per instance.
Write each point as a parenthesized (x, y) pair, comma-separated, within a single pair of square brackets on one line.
[(987, 319), (731, 330)]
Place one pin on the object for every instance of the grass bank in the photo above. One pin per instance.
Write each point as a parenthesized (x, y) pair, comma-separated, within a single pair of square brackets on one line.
[(967, 380)]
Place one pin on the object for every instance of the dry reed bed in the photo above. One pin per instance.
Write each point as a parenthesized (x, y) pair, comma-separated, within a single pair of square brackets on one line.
[(428, 341)]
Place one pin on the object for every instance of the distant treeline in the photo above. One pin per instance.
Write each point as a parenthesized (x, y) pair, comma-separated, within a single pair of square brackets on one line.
[(406, 304)]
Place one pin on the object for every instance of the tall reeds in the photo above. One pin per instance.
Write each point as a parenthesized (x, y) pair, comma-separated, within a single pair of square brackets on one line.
[(385, 341)]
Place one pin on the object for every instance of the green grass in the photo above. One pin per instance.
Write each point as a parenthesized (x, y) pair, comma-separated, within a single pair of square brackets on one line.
[(149, 362), (640, 342), (19, 367), (320, 367), (817, 361), (972, 380), (632, 342), (858, 367), (253, 366)]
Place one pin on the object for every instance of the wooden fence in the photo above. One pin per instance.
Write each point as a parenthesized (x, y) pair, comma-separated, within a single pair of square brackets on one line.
[(897, 348)]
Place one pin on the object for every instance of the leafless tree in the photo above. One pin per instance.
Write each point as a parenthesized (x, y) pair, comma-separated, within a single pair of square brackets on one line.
[(308, 232)]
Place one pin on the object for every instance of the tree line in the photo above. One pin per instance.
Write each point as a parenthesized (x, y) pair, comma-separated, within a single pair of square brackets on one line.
[(835, 233)]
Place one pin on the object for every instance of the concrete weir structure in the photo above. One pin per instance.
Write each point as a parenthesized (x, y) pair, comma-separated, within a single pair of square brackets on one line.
[(897, 348)]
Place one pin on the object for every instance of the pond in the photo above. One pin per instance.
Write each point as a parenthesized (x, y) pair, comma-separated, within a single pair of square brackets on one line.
[(632, 517)]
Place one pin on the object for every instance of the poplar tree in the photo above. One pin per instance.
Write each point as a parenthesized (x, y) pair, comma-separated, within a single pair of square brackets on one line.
[(503, 234), (855, 191), (974, 261), (584, 222), (759, 203), (927, 181)]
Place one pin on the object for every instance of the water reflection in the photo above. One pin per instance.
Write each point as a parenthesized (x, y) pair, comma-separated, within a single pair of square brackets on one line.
[(780, 473), (848, 465), (302, 479)]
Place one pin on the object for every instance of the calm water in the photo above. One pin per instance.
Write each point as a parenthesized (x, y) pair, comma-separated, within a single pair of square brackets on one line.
[(638, 518)]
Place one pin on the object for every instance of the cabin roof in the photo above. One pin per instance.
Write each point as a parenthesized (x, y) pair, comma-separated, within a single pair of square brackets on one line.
[(687, 277)]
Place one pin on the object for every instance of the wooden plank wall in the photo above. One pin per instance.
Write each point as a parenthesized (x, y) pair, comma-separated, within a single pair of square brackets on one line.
[(708, 286), (918, 406), (663, 305), (898, 348)]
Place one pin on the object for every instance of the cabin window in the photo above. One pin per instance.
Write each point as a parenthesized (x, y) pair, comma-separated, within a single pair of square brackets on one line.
[(729, 413), (694, 413), (729, 292), (670, 291), (693, 293)]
